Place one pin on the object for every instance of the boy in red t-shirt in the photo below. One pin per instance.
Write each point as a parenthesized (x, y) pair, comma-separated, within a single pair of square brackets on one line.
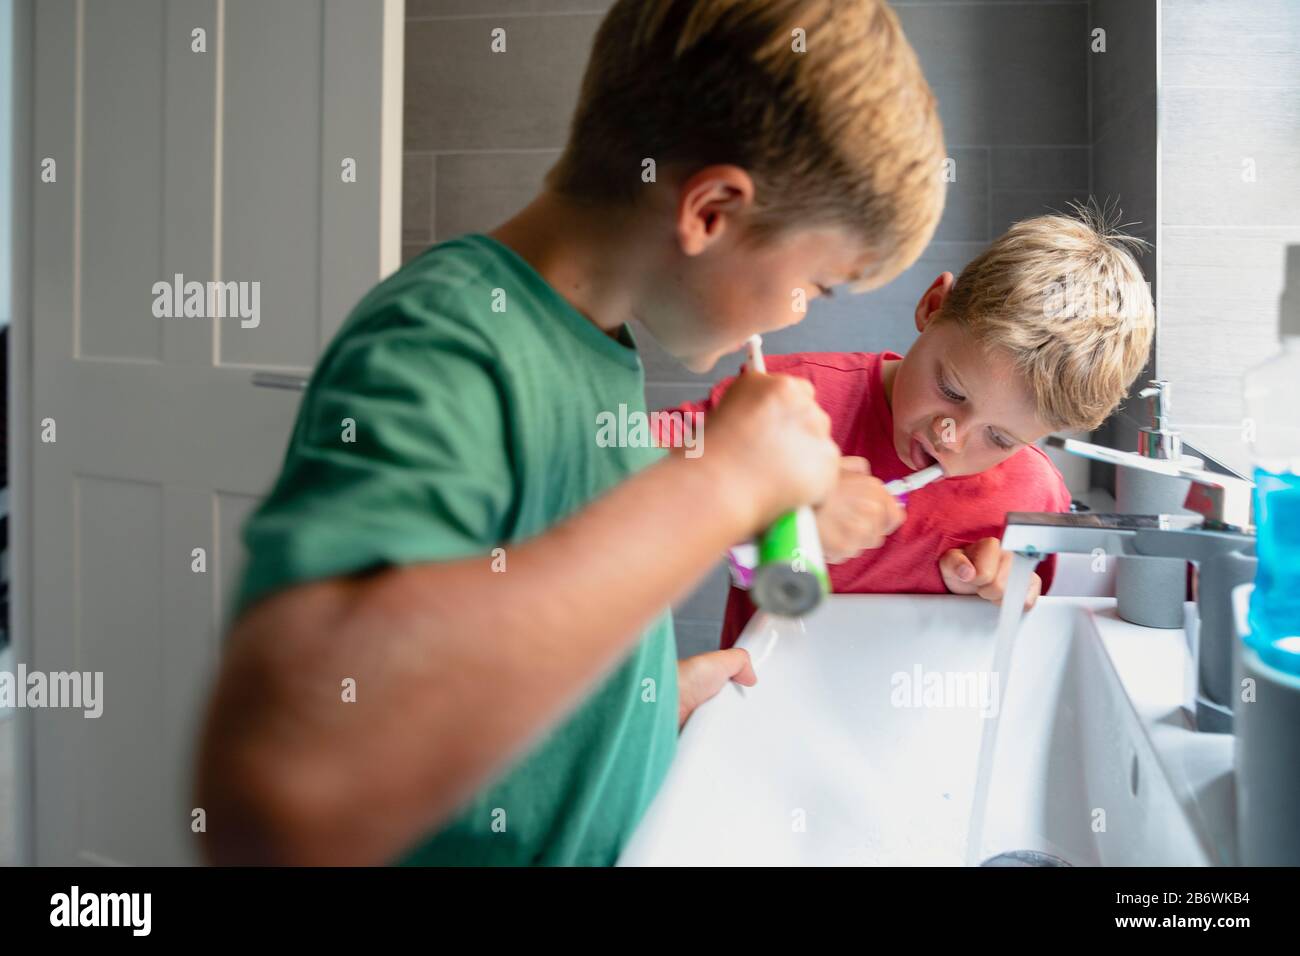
[(1045, 331)]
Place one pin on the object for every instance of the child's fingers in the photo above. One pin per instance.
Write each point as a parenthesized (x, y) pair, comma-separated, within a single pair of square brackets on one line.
[(987, 557), (855, 464), (701, 676), (875, 506), (957, 571), (877, 517), (1035, 590), (994, 590), (895, 514), (707, 672), (982, 568), (860, 514), (739, 667)]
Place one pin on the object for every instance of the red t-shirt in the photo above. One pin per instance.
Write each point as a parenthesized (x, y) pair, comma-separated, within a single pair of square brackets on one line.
[(947, 514)]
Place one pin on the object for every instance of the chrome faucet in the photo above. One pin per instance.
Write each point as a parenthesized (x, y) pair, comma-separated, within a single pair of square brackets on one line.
[(1224, 556), (1218, 496)]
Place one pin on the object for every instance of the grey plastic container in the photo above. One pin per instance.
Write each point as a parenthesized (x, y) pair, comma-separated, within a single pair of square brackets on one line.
[(1267, 758), (1151, 591)]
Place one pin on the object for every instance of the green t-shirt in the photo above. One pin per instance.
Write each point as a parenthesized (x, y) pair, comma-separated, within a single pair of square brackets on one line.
[(457, 411)]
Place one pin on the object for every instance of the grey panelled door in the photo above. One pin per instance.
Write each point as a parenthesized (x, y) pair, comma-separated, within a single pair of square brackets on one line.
[(206, 139)]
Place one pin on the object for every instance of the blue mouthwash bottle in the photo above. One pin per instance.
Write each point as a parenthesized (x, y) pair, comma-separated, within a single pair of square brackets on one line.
[(1272, 393)]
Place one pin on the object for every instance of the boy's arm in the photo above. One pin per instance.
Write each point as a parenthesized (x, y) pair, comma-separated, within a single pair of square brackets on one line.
[(458, 669)]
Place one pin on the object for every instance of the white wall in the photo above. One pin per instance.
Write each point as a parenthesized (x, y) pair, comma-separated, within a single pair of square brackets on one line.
[(1229, 167)]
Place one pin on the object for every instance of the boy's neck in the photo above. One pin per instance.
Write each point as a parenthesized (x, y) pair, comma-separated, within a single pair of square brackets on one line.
[(888, 369), (589, 255)]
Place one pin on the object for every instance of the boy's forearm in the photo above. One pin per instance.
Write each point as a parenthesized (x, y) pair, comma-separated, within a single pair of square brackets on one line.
[(457, 669)]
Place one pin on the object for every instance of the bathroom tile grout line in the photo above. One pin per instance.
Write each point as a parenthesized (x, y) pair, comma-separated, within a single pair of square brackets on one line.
[(433, 197), (988, 198)]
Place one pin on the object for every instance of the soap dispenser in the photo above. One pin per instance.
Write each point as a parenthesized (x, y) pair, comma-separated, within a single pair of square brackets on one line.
[(1158, 440), (1152, 591)]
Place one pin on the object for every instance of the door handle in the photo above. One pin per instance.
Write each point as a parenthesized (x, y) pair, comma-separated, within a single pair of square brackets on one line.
[(287, 380)]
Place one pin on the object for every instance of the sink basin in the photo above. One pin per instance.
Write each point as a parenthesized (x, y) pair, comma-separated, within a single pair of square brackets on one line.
[(860, 742)]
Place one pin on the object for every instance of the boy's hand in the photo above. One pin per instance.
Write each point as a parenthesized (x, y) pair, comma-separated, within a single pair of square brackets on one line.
[(700, 677), (774, 442), (981, 568), (858, 514)]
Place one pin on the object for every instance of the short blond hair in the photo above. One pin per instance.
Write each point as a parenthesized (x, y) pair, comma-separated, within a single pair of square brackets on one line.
[(1066, 297), (844, 134)]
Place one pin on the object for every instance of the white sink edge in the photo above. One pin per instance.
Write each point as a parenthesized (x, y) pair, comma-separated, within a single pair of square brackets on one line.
[(1152, 666)]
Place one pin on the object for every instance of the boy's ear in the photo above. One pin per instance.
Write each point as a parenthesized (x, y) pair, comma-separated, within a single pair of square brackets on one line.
[(708, 202), (932, 300)]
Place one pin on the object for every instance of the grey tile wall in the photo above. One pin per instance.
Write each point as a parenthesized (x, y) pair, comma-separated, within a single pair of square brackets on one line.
[(1230, 104), (1012, 79), (1122, 106)]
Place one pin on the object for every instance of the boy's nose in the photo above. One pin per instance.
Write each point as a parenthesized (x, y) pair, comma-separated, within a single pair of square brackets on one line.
[(947, 434)]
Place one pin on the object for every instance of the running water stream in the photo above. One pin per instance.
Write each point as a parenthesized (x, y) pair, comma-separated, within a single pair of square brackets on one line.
[(1013, 604)]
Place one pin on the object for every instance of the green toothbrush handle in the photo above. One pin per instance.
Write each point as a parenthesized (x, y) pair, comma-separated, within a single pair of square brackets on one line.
[(791, 578)]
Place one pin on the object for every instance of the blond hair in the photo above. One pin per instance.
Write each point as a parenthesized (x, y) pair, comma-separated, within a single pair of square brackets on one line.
[(1065, 296), (844, 134)]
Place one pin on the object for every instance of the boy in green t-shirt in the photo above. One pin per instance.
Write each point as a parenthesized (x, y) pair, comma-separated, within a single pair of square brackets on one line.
[(452, 642)]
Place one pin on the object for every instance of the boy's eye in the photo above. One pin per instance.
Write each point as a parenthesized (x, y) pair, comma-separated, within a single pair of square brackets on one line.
[(1001, 442), (825, 292), (948, 393)]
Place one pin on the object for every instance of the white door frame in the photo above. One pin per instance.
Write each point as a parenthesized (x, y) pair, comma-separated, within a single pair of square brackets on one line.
[(22, 424)]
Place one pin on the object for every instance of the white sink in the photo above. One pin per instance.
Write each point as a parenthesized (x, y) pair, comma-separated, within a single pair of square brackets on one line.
[(838, 756)]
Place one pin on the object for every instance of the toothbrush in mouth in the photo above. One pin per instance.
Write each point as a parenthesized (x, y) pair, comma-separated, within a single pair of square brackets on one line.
[(756, 354), (917, 480), (900, 488)]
